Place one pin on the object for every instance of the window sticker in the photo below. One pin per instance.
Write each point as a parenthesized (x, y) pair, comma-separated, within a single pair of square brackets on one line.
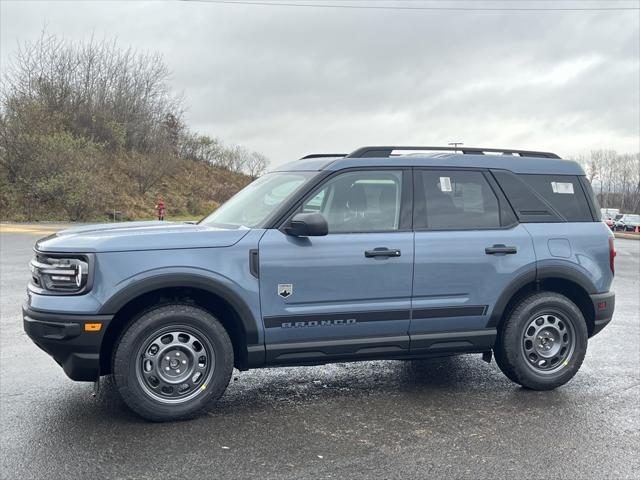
[(445, 184), (562, 187)]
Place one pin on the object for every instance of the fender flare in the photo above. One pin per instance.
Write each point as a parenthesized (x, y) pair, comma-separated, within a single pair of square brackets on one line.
[(535, 275), (566, 272), (186, 280)]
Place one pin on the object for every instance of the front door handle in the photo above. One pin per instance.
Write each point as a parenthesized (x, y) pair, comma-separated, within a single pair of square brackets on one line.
[(382, 252), (496, 249)]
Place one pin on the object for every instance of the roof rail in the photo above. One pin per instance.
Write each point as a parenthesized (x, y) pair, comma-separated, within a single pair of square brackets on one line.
[(323, 155), (387, 151)]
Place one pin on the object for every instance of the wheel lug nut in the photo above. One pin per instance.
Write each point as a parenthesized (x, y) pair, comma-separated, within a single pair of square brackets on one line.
[(178, 371), (166, 358), (166, 368), (184, 361), (177, 354)]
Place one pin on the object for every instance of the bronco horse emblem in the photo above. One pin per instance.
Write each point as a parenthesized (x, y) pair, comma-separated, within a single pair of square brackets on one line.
[(285, 289)]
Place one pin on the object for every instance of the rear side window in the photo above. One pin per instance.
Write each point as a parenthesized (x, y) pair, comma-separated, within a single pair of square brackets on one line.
[(564, 193), (456, 199)]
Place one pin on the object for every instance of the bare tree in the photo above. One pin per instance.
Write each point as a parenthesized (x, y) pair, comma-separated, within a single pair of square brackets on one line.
[(100, 90), (201, 148), (615, 178), (256, 164), (232, 158)]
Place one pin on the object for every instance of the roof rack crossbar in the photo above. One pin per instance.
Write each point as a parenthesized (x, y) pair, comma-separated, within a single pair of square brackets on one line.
[(387, 151), (323, 155)]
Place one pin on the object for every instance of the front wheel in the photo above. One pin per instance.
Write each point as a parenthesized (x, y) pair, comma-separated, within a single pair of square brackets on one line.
[(172, 362), (543, 342)]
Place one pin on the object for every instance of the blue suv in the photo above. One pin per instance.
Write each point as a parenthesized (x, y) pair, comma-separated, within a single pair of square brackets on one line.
[(384, 253)]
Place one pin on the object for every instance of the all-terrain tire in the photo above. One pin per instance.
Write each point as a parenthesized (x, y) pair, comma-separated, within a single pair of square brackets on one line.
[(529, 348), (201, 343)]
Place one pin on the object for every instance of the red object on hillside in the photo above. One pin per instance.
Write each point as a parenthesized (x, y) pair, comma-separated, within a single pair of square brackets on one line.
[(160, 208)]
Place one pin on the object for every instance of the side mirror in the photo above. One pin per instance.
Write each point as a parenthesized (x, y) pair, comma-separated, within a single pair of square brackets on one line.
[(307, 225)]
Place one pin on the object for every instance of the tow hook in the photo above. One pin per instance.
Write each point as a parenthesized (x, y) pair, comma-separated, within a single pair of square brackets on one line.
[(486, 356)]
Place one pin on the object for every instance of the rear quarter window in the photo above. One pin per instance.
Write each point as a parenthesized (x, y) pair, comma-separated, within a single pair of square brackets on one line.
[(545, 198), (564, 193)]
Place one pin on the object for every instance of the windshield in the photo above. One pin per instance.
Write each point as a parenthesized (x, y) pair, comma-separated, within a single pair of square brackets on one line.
[(253, 204), (631, 218)]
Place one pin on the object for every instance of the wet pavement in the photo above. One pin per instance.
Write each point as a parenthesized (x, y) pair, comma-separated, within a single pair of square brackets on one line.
[(455, 417)]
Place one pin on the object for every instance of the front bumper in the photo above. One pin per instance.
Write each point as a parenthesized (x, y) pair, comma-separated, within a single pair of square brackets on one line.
[(63, 336), (603, 306)]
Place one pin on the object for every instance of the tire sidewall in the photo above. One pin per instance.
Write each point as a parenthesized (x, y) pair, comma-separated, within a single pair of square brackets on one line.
[(125, 362), (513, 335)]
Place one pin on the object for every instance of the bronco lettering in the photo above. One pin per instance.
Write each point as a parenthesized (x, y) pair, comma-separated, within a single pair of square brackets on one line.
[(321, 323)]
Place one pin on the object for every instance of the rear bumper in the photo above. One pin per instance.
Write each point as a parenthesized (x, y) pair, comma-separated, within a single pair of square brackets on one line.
[(64, 337), (603, 306)]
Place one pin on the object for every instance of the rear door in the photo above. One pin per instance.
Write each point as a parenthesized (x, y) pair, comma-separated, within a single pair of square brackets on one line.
[(347, 294), (468, 249)]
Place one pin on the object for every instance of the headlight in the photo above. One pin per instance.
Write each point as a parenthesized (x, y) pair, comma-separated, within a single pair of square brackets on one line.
[(60, 274)]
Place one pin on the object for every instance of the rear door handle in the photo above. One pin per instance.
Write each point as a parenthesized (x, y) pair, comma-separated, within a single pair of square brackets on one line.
[(382, 252), (500, 248)]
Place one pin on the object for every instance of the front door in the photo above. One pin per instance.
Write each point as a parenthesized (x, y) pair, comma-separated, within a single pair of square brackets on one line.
[(347, 294), (468, 249)]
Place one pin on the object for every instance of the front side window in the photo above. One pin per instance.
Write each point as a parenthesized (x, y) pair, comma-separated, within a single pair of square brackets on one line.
[(457, 199), (252, 205), (362, 201)]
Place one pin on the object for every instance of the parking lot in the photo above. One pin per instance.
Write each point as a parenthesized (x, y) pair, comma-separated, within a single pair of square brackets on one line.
[(455, 417)]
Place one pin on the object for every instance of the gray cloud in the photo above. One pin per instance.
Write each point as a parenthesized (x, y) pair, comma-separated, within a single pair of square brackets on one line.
[(291, 81)]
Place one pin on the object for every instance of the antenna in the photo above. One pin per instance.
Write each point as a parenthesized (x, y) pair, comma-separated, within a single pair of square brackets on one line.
[(455, 145)]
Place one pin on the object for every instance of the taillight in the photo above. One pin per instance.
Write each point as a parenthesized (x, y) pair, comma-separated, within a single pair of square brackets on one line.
[(612, 255)]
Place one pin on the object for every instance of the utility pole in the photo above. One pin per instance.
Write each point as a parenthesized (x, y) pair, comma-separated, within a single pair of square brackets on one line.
[(455, 145)]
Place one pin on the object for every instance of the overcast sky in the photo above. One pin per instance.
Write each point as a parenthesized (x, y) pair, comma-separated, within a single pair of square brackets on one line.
[(290, 81)]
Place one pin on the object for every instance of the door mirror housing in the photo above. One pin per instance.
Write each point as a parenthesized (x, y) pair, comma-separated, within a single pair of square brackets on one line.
[(307, 225)]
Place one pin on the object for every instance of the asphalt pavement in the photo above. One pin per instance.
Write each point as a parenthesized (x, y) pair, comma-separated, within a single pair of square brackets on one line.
[(455, 417)]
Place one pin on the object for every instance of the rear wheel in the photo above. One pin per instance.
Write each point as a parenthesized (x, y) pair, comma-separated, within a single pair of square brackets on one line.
[(172, 362), (543, 342)]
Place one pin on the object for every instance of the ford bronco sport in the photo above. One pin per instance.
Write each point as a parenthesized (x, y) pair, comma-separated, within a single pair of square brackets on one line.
[(384, 253)]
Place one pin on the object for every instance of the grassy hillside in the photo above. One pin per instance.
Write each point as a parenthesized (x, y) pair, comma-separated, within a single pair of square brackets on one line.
[(89, 128), (192, 191)]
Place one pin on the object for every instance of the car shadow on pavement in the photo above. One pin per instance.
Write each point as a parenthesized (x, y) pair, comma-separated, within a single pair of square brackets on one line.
[(448, 383), (264, 389)]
